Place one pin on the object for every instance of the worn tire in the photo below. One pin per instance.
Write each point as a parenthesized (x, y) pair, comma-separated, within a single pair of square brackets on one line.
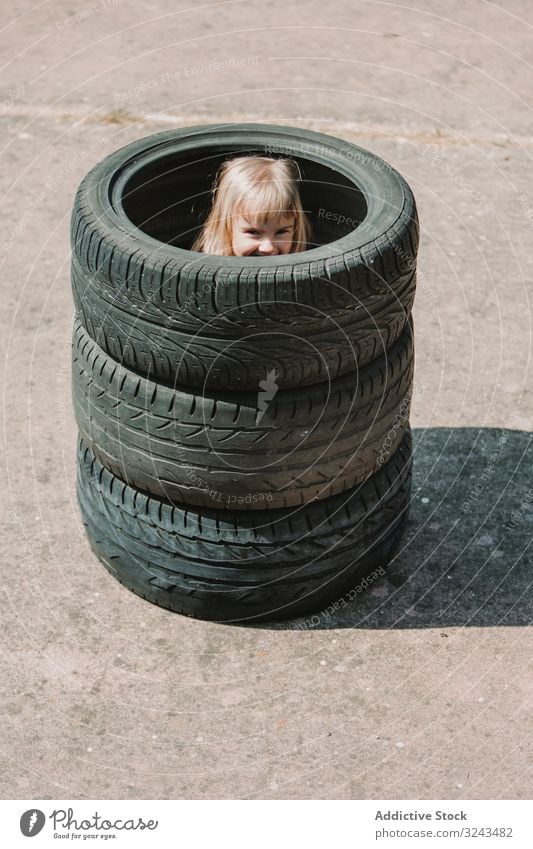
[(324, 348), (238, 566), (221, 449), (220, 322)]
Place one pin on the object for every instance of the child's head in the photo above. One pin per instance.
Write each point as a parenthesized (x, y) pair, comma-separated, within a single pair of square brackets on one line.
[(256, 209)]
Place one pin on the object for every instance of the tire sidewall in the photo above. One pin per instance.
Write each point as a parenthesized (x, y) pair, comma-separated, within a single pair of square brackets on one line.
[(385, 191)]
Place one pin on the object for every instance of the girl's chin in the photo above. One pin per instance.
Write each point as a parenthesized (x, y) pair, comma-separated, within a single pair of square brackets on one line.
[(256, 253)]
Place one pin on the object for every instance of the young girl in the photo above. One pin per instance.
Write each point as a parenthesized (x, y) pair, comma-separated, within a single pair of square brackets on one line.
[(256, 209)]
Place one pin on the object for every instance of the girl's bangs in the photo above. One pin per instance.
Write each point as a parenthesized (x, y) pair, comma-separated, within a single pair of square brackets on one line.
[(262, 205)]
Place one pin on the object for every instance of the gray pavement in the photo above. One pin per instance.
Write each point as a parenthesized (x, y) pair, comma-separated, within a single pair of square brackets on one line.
[(421, 688)]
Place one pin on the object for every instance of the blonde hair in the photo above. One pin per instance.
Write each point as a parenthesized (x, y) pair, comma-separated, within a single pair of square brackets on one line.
[(259, 187)]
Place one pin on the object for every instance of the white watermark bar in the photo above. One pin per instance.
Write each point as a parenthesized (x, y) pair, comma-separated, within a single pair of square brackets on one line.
[(241, 824)]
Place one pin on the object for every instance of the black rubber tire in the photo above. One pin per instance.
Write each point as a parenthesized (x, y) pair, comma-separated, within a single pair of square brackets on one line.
[(219, 322), (204, 563), (219, 449), (324, 348)]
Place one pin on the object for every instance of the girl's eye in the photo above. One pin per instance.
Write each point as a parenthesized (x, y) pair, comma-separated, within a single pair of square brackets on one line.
[(254, 232)]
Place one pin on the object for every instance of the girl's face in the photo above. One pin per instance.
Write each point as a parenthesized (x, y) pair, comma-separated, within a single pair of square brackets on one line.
[(273, 238)]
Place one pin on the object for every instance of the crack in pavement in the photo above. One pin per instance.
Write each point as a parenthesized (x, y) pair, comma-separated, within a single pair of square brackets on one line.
[(120, 116)]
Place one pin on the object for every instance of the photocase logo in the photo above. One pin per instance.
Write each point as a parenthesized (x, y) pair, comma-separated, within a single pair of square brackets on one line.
[(31, 822), (268, 390)]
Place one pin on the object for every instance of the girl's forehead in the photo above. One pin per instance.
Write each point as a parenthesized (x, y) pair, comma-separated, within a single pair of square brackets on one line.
[(261, 204), (258, 216)]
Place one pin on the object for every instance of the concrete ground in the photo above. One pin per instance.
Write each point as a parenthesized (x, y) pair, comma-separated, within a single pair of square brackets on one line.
[(421, 689)]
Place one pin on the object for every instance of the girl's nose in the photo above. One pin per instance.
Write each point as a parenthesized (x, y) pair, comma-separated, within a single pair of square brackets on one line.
[(266, 247)]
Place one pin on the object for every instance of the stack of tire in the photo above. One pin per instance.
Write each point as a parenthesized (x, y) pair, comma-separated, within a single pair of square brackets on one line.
[(244, 445)]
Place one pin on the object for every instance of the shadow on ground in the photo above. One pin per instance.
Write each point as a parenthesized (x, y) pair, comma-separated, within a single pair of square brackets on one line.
[(465, 558)]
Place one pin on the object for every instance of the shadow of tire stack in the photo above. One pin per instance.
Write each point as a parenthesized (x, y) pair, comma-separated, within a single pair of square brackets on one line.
[(244, 447)]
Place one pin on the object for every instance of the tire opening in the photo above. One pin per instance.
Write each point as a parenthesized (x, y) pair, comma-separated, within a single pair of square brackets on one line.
[(169, 197)]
